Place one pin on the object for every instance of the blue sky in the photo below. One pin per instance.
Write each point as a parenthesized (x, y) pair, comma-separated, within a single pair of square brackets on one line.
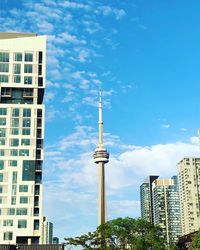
[(145, 56)]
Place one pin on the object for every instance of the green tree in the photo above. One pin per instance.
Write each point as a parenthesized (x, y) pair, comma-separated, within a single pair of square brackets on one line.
[(196, 242), (118, 234)]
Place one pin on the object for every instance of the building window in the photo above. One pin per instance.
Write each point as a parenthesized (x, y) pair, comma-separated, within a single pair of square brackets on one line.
[(14, 142), (13, 163), (2, 121), (4, 57), (8, 223), (24, 152), (4, 67), (17, 79), (2, 152), (21, 211), (28, 80), (14, 178), (28, 68), (14, 152), (17, 68), (25, 142), (1, 189), (2, 132), (26, 122), (8, 236), (40, 81), (14, 131), (18, 57), (1, 164), (14, 190), (39, 69), (13, 200), (3, 111), (11, 211), (40, 56), (2, 141), (15, 122), (36, 224), (26, 131), (28, 57), (3, 78), (22, 223), (28, 173), (1, 201), (26, 112), (23, 200), (1, 177), (15, 112), (23, 188)]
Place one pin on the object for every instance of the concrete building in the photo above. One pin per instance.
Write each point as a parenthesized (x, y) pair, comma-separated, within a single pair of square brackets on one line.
[(189, 186), (22, 83), (146, 198), (167, 207), (47, 231)]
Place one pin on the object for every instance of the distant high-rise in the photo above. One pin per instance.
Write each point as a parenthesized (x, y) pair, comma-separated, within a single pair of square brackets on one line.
[(189, 185), (166, 206), (47, 231), (146, 198), (22, 82), (55, 240)]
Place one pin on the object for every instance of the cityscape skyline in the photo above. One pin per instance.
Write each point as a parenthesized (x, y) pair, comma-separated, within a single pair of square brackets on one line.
[(147, 65)]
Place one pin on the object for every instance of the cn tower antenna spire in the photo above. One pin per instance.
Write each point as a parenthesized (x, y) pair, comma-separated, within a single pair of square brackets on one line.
[(101, 157), (100, 120)]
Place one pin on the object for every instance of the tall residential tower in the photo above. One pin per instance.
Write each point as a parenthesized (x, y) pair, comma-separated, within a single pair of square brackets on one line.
[(22, 82), (166, 207), (189, 185), (146, 198), (101, 157)]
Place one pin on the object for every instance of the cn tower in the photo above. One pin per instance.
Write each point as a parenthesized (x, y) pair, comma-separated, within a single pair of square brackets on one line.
[(101, 157)]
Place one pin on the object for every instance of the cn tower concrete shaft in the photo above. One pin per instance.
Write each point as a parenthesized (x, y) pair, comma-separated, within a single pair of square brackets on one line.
[(101, 157)]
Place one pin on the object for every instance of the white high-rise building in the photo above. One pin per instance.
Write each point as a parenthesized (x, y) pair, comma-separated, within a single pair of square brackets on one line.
[(22, 83), (47, 231), (189, 186)]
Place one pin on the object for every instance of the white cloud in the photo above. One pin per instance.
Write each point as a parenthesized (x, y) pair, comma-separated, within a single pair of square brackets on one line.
[(49, 96), (74, 5), (165, 125), (107, 10), (194, 139)]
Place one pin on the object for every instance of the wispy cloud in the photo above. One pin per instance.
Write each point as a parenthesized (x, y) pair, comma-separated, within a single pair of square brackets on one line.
[(166, 126)]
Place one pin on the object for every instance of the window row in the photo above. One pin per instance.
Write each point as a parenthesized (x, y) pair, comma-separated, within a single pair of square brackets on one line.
[(16, 112), (15, 131), (16, 79), (9, 223), (26, 122), (17, 68), (14, 152), (14, 211), (13, 163), (19, 57)]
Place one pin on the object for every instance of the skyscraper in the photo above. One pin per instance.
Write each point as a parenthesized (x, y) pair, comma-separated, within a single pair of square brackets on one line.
[(47, 231), (189, 185), (101, 157), (22, 82), (166, 206), (146, 198)]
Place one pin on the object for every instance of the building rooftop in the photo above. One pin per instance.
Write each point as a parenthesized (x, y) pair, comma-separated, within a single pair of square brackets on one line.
[(10, 35)]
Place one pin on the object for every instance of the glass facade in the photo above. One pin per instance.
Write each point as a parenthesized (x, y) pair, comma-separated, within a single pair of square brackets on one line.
[(167, 208)]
